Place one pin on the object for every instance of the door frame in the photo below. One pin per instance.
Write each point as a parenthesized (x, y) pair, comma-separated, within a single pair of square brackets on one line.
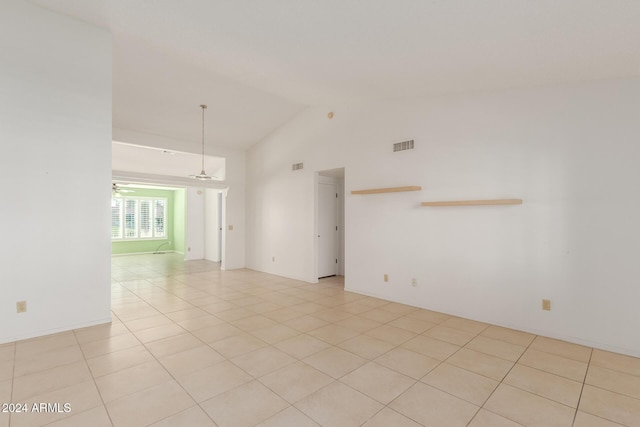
[(333, 176), (182, 183), (213, 232)]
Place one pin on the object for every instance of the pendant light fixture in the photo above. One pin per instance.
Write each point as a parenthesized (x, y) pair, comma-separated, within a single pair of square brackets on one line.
[(202, 176)]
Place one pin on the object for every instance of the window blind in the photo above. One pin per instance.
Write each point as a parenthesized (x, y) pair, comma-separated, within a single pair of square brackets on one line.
[(159, 218), (116, 218), (138, 218), (145, 219)]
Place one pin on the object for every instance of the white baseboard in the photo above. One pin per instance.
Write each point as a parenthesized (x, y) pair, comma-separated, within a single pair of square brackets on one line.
[(146, 253), (44, 332), (535, 331)]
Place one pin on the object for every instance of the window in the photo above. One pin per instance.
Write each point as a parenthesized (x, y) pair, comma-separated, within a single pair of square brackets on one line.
[(145, 219), (159, 217), (130, 219), (116, 216), (138, 218)]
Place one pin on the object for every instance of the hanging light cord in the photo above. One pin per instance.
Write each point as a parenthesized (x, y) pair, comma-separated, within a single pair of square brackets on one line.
[(203, 108), (202, 175)]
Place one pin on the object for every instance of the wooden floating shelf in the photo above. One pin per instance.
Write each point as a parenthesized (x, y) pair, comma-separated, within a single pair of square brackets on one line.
[(388, 190), (475, 202)]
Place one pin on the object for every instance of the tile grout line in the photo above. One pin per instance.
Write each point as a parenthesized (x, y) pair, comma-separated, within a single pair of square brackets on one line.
[(544, 371), (248, 283), (226, 359), (599, 388), (451, 355), (167, 371), (502, 382), (334, 307), (373, 361), (338, 305), (584, 381), (104, 405), (290, 405), (334, 380), (416, 381), (13, 376)]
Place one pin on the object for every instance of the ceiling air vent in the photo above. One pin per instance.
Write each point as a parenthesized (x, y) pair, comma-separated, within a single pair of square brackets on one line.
[(404, 145), (297, 166)]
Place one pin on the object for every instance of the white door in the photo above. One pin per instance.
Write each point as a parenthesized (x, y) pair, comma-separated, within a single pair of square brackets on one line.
[(327, 230)]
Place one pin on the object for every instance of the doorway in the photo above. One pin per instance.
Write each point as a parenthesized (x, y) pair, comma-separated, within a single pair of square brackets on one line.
[(329, 223), (213, 225)]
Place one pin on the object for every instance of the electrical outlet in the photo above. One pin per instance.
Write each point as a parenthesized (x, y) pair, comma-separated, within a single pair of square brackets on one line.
[(414, 282), (21, 306), (386, 277), (273, 259), (546, 304), (230, 228)]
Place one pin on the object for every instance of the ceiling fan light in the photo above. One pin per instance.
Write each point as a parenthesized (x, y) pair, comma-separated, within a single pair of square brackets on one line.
[(202, 176)]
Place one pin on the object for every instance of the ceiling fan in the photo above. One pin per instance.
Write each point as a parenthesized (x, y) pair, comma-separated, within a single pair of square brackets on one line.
[(116, 190)]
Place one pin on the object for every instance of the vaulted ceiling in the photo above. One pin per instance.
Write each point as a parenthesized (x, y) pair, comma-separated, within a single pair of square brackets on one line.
[(258, 63)]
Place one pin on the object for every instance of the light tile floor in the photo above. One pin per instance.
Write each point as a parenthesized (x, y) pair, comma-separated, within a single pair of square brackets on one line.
[(194, 346)]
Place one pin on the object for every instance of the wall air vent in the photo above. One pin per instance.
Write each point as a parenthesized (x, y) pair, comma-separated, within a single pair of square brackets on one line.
[(297, 166), (404, 145)]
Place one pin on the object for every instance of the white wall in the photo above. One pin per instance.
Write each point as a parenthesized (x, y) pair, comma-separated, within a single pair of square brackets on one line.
[(570, 152), (195, 224), (234, 214), (179, 220), (55, 136)]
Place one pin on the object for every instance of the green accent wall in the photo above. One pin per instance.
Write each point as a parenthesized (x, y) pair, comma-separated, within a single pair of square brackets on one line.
[(179, 220), (140, 246)]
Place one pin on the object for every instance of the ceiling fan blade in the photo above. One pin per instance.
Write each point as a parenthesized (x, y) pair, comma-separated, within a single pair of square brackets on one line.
[(117, 189)]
